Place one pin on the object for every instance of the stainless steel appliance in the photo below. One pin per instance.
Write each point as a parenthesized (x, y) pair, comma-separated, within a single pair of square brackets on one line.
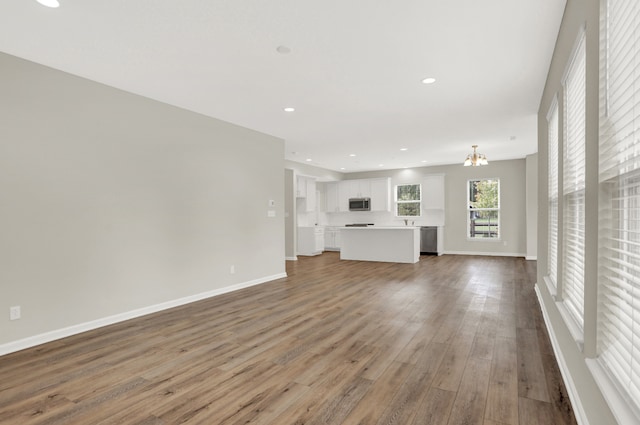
[(359, 204), (428, 240)]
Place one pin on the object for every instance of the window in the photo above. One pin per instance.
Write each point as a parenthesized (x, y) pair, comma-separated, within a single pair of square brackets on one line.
[(574, 187), (408, 200), (483, 203), (619, 220), (553, 193)]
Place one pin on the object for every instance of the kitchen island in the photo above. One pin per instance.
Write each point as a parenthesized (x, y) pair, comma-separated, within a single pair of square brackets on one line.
[(389, 244)]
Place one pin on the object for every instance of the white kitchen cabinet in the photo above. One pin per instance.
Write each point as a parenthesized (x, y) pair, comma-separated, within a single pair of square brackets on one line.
[(311, 195), (344, 193), (339, 193), (332, 197), (332, 239), (306, 190), (360, 188), (319, 240), (379, 194), (301, 187), (433, 202), (310, 240)]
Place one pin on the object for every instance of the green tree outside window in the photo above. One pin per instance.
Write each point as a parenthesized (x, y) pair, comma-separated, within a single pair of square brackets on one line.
[(408, 200), (483, 204)]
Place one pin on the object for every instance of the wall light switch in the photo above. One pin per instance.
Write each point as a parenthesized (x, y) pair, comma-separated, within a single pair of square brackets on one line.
[(272, 203), (271, 213), (14, 312)]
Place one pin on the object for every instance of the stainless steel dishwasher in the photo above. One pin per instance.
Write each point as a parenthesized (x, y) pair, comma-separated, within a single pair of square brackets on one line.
[(429, 240)]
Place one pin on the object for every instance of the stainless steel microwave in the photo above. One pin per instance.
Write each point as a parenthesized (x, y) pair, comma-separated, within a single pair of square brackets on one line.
[(359, 204)]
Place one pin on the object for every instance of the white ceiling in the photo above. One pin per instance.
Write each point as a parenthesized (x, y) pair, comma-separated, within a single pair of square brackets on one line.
[(353, 74)]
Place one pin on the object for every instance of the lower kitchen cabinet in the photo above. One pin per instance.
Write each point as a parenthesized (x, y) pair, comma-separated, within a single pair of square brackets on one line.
[(332, 239), (310, 240)]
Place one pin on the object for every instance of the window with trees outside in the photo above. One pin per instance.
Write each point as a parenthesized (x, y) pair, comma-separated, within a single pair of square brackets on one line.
[(408, 200), (483, 203)]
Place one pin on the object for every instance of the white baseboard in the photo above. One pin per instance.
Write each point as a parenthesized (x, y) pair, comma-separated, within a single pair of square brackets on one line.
[(531, 257), (291, 258), (32, 341), (574, 396), (491, 254)]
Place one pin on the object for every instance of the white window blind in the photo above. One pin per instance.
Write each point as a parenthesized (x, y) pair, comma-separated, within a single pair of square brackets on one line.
[(553, 194), (574, 186), (619, 228)]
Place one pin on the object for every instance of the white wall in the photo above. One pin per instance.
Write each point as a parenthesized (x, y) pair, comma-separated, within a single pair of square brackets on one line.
[(290, 214), (512, 175), (532, 206), (111, 202)]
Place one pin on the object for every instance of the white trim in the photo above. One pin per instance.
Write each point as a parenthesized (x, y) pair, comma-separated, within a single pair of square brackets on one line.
[(574, 396), (574, 329), (551, 288), (32, 341), (619, 406), (531, 257), (294, 258), (491, 254), (576, 45), (552, 107)]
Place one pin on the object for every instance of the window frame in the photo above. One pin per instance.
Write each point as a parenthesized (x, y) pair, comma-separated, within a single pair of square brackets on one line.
[(553, 193), (573, 191), (411, 201), (469, 209)]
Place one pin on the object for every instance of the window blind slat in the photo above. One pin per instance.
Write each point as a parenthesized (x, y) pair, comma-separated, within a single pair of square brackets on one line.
[(619, 175)]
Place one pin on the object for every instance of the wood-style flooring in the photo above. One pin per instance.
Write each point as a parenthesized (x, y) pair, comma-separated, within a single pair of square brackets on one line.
[(449, 340)]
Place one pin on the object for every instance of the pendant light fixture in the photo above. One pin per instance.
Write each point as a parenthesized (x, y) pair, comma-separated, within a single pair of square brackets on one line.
[(475, 159)]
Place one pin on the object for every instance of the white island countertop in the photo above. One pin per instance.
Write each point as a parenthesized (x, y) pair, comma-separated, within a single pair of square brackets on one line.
[(397, 244)]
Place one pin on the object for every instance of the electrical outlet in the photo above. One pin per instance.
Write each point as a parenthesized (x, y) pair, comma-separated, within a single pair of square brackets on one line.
[(232, 270), (14, 312)]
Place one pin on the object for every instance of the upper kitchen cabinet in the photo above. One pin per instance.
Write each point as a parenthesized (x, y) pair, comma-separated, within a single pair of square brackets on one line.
[(433, 200), (380, 190), (306, 189), (332, 197), (356, 188), (339, 193)]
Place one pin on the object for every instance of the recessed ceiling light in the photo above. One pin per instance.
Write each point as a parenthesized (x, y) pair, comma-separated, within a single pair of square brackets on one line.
[(283, 50), (424, 161), (308, 159), (49, 3), (380, 165), (342, 168), (429, 80), (289, 109), (352, 154), (404, 149)]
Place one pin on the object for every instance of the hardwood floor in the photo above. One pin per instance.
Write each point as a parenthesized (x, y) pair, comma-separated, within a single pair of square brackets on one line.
[(449, 340)]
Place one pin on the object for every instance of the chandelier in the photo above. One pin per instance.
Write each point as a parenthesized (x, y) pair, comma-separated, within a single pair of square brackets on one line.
[(475, 159)]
